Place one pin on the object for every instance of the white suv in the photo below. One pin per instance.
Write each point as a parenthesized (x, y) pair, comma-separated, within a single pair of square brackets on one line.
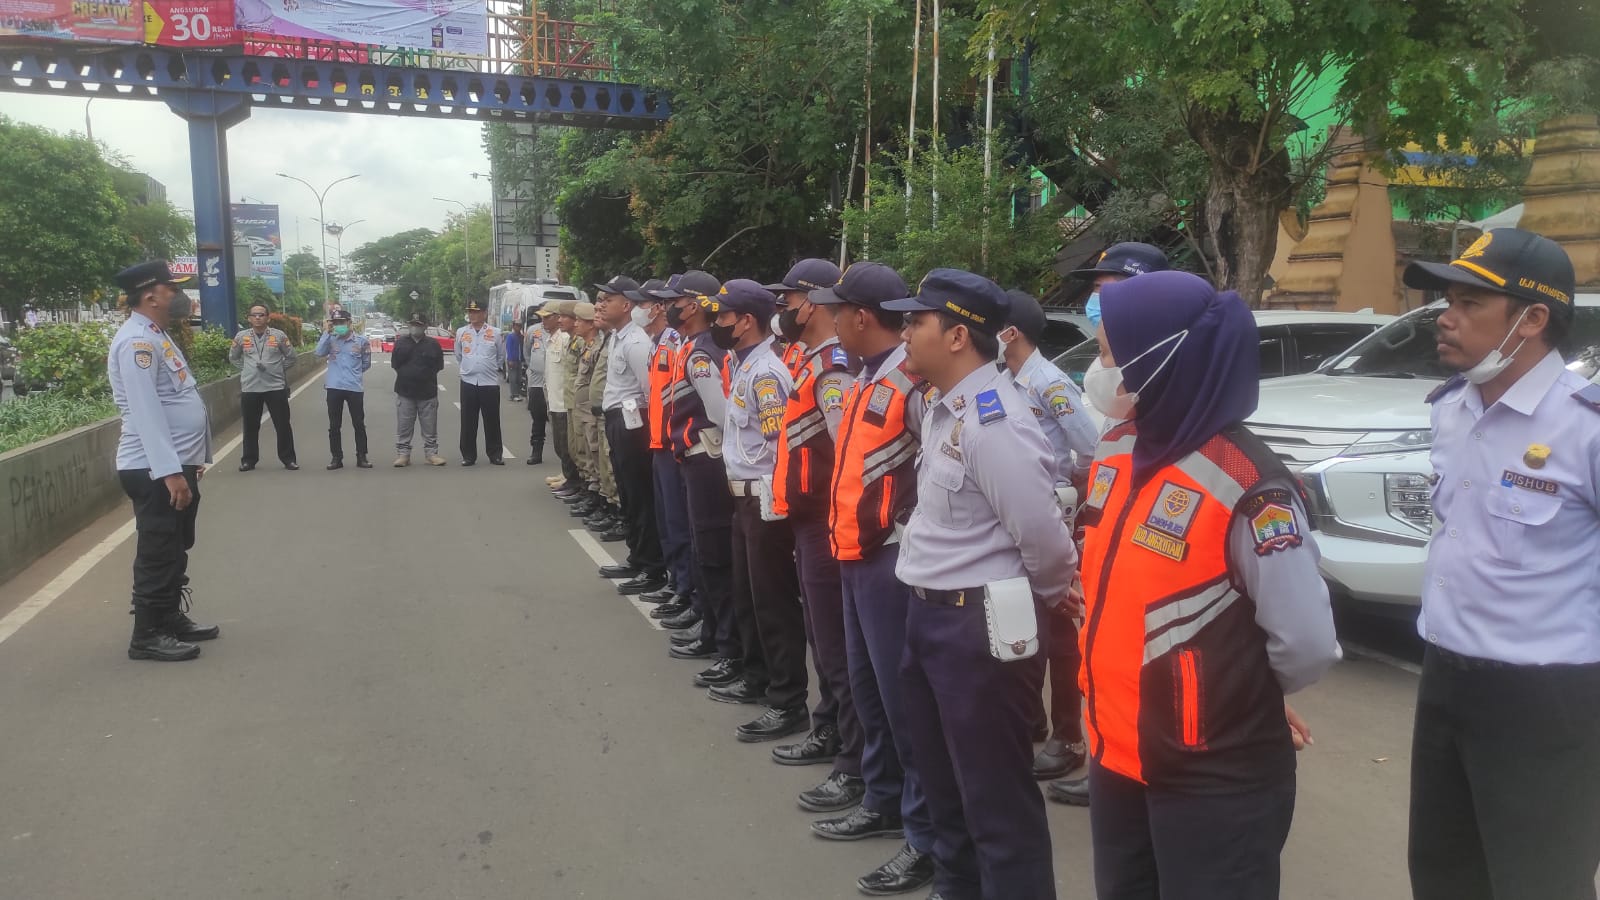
[(1358, 433)]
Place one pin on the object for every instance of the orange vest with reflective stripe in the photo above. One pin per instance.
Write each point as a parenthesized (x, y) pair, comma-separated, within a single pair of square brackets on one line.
[(794, 356), (800, 481), (661, 360), (875, 469), (1178, 689)]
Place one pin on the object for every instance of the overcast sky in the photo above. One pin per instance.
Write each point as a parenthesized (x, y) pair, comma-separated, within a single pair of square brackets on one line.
[(403, 162)]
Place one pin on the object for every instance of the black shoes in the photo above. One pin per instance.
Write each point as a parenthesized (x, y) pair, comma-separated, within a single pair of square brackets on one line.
[(861, 823), (1072, 792), (496, 462), (685, 637), (1056, 759), (615, 535), (469, 462), (836, 793), (292, 466), (738, 691), (819, 747), (643, 583), (151, 640), (773, 724), (180, 626), (723, 671), (908, 870), (701, 649), (665, 595), (336, 464), (362, 463), (619, 571), (247, 467), (681, 620), (671, 610)]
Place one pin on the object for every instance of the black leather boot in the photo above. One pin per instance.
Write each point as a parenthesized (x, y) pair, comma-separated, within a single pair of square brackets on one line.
[(152, 641), (179, 625)]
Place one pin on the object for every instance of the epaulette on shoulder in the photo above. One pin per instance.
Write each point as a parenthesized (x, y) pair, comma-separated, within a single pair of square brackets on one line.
[(1444, 390), (1588, 395), (839, 357)]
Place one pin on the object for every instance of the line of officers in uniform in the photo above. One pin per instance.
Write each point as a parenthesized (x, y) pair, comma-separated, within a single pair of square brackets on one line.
[(887, 476)]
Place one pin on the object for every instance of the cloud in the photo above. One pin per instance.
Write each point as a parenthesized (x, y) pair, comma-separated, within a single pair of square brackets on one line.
[(403, 162)]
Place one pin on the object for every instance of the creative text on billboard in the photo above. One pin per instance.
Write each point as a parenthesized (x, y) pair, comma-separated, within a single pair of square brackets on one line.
[(256, 225), (117, 21), (446, 26)]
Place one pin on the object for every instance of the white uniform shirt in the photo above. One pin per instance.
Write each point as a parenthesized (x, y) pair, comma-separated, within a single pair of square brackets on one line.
[(627, 368), (480, 353), (556, 349), (164, 422)]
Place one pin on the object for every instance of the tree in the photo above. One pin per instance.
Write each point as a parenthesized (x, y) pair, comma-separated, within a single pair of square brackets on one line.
[(381, 261), (250, 291), (302, 284), (157, 229), (60, 218), (1241, 74)]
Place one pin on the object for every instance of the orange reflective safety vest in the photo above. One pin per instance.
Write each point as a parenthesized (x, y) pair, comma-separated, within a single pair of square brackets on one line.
[(804, 469), (661, 359), (875, 468), (1178, 689), (686, 414), (794, 357)]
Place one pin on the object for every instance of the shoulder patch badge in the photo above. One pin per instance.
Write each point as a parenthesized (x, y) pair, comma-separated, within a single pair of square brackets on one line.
[(1274, 527), (700, 366), (1060, 400), (145, 358), (1104, 477), (839, 358), (1174, 511), (990, 409), (879, 401)]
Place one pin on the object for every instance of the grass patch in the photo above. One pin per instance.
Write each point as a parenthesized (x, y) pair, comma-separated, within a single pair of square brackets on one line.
[(33, 418)]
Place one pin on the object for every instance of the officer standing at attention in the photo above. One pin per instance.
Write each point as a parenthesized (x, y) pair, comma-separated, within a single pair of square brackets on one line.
[(349, 356), (541, 323), (672, 518), (800, 491), (873, 489), (558, 391), (417, 360), (766, 587), (625, 405), (164, 449), (581, 492), (988, 556), (587, 445), (480, 355), (1505, 789), (1057, 407), (1204, 603), (264, 357)]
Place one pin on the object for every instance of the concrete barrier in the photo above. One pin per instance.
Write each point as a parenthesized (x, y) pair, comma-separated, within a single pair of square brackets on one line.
[(56, 487)]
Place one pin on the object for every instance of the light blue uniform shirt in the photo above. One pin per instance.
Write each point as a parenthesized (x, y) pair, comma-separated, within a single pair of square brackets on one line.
[(627, 368), (1057, 405), (164, 421), (758, 394), (1513, 570), (480, 353), (348, 357), (985, 502)]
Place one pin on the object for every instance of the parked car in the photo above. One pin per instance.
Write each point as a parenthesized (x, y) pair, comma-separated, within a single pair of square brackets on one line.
[(1063, 330), (1358, 431)]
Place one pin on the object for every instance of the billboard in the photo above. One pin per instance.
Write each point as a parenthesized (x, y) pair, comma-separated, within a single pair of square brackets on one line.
[(118, 21), (447, 26), (189, 23), (256, 226)]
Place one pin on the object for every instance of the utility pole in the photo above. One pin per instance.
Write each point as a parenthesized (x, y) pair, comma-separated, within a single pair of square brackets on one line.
[(322, 220)]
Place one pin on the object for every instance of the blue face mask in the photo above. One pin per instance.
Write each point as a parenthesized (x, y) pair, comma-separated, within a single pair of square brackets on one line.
[(1092, 309)]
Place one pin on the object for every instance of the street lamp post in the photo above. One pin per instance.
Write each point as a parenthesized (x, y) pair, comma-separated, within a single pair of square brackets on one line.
[(323, 221), (338, 238), (466, 240)]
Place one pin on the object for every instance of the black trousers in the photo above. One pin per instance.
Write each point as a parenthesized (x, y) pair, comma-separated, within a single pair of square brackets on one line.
[(481, 400), (277, 406), (337, 400), (1164, 845), (630, 463), (1505, 781), (766, 605), (822, 594), (539, 410), (1065, 657), (166, 535), (705, 489)]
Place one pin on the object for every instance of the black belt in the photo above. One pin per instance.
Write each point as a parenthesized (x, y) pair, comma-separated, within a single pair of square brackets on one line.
[(1468, 663), (950, 598)]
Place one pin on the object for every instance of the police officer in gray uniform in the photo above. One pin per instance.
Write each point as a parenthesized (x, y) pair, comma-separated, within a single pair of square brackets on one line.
[(1057, 406), (1505, 761), (264, 357), (987, 555), (164, 449)]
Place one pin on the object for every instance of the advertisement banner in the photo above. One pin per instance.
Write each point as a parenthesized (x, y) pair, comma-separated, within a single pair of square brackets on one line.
[(115, 21), (194, 24), (447, 26), (256, 226), (184, 265)]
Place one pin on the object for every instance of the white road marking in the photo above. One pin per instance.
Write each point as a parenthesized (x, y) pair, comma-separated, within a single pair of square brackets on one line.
[(505, 453), (42, 598), (597, 552), (457, 405)]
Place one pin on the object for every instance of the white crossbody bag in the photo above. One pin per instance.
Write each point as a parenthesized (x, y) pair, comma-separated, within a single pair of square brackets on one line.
[(1013, 622)]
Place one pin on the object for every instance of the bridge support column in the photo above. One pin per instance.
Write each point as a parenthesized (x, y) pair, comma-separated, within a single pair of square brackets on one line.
[(210, 115)]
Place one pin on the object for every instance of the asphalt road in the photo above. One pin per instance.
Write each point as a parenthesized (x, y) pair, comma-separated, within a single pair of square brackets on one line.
[(423, 691)]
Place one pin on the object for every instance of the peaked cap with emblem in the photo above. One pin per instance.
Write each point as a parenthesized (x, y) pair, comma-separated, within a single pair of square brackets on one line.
[(1510, 261)]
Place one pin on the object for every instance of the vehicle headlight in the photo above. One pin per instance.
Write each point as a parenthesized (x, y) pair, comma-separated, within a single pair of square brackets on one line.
[(1409, 499), (1375, 442)]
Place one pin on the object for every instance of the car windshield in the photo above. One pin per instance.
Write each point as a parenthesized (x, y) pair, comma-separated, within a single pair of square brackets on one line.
[(1076, 361), (1408, 346)]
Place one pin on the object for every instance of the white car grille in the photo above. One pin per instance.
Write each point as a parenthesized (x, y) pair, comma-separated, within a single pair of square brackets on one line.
[(1301, 447)]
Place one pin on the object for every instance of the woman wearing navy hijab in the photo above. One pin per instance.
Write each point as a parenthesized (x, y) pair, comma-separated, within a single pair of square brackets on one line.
[(1203, 604)]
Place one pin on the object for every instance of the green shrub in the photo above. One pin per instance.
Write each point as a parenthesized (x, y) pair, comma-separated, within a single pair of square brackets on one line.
[(24, 420), (71, 356)]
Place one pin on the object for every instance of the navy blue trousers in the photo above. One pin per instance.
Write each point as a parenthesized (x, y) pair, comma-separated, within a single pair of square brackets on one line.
[(672, 521), (875, 640), (823, 596), (969, 720), (710, 506)]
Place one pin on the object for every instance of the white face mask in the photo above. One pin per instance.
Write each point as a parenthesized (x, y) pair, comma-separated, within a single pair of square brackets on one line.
[(1493, 364), (1100, 382), (775, 328), (640, 315)]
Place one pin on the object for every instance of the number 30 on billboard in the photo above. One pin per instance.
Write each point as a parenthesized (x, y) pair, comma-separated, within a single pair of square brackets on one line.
[(189, 23)]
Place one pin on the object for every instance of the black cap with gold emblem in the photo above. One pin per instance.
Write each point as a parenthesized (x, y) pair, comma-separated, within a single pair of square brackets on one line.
[(1510, 261), (474, 306)]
